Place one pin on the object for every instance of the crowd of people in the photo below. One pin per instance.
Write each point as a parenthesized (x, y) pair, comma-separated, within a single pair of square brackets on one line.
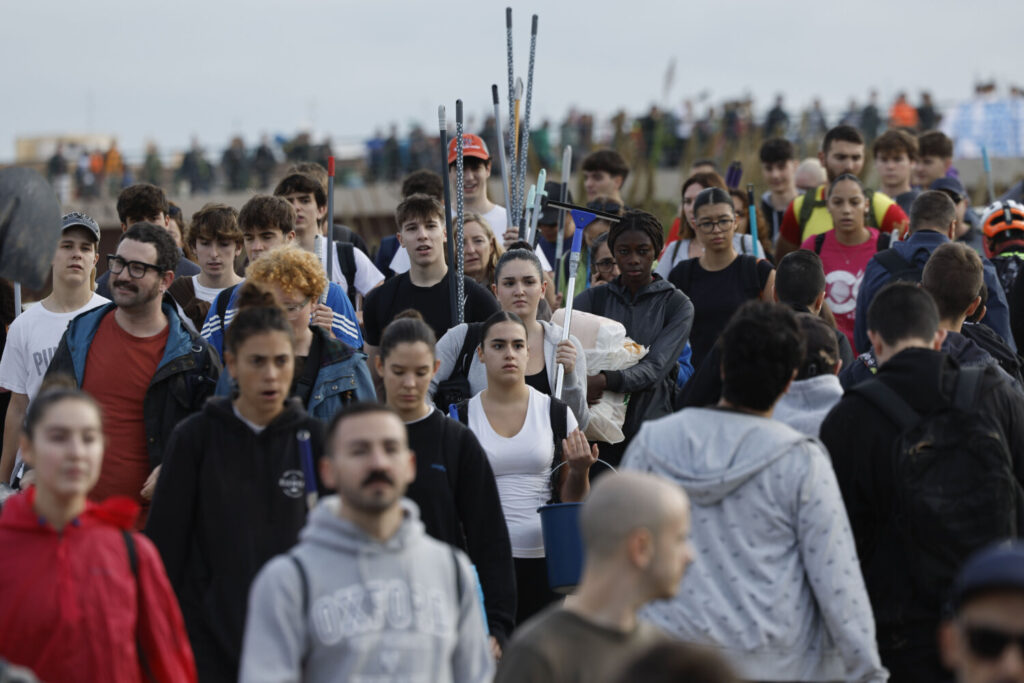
[(290, 457)]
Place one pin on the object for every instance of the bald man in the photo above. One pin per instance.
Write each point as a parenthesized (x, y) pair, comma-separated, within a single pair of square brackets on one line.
[(635, 528), (810, 174)]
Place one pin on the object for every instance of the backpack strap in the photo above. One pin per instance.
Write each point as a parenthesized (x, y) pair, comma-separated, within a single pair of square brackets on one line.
[(458, 575), (304, 588), (460, 411), (819, 242), (222, 305), (968, 383), (133, 562), (889, 402), (347, 261), (469, 346), (749, 279), (558, 415), (892, 261), (808, 205), (871, 220), (884, 240)]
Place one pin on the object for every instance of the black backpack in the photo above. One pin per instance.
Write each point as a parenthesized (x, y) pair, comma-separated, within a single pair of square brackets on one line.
[(1008, 266), (990, 341), (558, 414), (456, 389), (954, 489)]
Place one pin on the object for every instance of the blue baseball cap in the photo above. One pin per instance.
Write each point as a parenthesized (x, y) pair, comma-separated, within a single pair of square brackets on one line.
[(998, 567), (951, 186)]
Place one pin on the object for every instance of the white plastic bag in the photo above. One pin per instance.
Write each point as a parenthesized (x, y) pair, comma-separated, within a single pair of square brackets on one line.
[(607, 347)]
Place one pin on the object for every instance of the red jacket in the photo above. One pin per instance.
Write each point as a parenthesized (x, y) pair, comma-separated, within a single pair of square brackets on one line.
[(69, 600)]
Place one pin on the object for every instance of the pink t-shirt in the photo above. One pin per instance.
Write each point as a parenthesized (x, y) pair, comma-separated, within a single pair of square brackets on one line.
[(844, 269)]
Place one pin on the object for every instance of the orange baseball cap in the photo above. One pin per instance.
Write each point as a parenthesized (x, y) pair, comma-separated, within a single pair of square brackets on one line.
[(472, 146)]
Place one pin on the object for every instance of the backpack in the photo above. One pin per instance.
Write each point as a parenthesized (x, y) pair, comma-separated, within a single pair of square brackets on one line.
[(558, 414), (808, 207), (881, 243), (456, 389), (1007, 268), (990, 341), (954, 489), (682, 276)]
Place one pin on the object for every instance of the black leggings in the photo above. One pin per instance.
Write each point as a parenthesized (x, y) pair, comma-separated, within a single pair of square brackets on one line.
[(532, 591)]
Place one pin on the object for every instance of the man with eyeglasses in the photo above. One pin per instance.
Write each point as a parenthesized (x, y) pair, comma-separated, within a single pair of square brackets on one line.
[(983, 641), (146, 369)]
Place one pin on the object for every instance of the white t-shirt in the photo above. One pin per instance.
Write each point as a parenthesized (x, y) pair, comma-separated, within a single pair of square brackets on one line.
[(31, 342), (367, 275), (522, 468), (205, 293)]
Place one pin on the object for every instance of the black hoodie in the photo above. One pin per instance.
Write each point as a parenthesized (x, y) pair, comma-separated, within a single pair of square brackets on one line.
[(228, 499)]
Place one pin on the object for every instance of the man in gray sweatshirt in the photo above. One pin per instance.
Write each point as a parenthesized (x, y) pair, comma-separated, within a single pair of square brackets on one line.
[(366, 595), (776, 587)]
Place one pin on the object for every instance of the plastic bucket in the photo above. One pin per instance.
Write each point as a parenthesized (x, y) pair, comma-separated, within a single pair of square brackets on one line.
[(563, 544)]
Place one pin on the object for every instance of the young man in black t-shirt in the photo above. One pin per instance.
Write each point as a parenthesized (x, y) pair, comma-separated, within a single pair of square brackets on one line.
[(421, 232)]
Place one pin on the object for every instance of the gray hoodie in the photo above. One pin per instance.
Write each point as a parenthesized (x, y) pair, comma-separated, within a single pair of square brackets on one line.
[(807, 402), (776, 585), (377, 611)]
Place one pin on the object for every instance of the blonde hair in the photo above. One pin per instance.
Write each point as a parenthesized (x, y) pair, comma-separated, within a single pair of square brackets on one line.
[(292, 269), (496, 249)]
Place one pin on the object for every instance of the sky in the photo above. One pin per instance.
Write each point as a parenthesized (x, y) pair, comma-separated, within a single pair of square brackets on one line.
[(142, 70)]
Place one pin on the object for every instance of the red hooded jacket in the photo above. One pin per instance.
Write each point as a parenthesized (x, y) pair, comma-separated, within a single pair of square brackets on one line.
[(69, 601)]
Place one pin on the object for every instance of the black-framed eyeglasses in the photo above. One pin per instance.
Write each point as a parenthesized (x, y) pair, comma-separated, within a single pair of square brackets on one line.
[(723, 224), (136, 269), (605, 264), (990, 643)]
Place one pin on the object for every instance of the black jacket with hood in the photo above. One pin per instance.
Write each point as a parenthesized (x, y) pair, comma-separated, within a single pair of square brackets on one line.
[(228, 499), (660, 318)]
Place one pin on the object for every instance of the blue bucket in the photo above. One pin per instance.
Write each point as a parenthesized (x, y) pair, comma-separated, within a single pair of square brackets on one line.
[(563, 543)]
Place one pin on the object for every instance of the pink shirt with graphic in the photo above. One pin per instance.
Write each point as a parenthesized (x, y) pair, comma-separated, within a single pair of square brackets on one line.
[(844, 269)]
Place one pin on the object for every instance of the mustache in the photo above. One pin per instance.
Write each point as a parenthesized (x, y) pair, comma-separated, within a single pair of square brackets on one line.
[(378, 475)]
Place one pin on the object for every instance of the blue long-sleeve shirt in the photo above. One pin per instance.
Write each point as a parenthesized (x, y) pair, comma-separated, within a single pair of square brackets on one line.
[(917, 249)]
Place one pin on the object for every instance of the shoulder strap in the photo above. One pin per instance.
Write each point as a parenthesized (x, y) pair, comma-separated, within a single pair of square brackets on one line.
[(889, 402), (884, 240), (892, 261), (458, 575), (303, 581), (461, 410), (222, 304), (469, 345), (819, 242), (347, 261), (133, 562), (807, 206), (968, 382), (749, 279), (871, 220)]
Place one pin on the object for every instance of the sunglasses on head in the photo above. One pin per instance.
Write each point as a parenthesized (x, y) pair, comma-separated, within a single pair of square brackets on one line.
[(990, 643)]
